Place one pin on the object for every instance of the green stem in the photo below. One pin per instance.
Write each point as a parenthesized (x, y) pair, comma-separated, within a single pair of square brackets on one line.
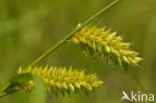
[(58, 44)]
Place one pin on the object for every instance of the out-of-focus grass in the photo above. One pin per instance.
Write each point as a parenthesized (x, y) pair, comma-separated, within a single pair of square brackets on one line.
[(39, 92), (28, 28), (149, 54)]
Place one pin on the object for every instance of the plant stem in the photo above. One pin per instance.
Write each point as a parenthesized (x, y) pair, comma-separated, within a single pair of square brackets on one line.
[(61, 42)]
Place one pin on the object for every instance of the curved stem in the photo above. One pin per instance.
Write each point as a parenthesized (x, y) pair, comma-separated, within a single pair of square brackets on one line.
[(58, 44)]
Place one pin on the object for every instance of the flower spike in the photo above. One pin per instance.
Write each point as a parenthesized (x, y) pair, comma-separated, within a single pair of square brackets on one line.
[(62, 79), (105, 43)]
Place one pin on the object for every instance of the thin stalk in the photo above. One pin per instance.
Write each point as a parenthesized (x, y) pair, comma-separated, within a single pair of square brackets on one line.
[(61, 42)]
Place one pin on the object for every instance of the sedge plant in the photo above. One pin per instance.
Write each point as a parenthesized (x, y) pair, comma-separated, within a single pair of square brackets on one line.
[(97, 40)]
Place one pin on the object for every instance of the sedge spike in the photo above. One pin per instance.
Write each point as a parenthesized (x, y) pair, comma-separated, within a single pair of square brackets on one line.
[(62, 79), (106, 43)]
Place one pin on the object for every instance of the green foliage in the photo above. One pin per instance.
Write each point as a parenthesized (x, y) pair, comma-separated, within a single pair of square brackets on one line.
[(15, 83), (27, 28)]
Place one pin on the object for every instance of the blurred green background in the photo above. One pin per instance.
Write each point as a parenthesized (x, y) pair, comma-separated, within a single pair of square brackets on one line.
[(30, 27)]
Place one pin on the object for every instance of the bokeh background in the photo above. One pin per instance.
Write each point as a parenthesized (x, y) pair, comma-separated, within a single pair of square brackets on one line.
[(30, 27)]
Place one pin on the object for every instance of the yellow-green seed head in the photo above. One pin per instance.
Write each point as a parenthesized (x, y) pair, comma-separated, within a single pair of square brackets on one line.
[(62, 79), (106, 44)]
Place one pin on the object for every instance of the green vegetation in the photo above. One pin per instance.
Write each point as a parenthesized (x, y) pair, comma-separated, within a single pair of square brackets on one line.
[(29, 28)]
